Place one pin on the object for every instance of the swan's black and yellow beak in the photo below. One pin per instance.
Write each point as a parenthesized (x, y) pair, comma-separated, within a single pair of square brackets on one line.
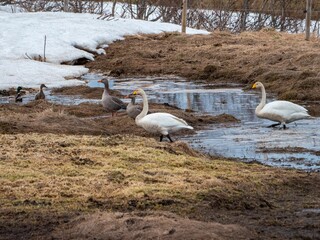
[(254, 86)]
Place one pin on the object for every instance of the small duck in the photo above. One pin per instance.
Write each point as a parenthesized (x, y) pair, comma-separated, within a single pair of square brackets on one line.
[(110, 103), (40, 94), (133, 109), (18, 97)]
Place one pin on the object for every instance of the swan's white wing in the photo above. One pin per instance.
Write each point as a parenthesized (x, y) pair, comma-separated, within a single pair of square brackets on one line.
[(166, 120), (284, 111), (284, 105), (163, 123)]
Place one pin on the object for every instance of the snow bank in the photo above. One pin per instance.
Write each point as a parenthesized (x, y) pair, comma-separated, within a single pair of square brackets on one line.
[(69, 36)]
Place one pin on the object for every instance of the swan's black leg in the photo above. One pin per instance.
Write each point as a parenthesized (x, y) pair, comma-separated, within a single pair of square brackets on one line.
[(161, 137), (284, 126), (168, 136), (274, 125)]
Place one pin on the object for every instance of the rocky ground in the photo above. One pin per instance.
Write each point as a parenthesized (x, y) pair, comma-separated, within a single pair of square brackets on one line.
[(74, 172)]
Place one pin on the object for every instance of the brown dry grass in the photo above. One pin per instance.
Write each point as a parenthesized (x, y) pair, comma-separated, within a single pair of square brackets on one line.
[(86, 118), (48, 177), (286, 63), (53, 168)]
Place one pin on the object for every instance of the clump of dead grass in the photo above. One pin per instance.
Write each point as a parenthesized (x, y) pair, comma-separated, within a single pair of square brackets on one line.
[(127, 171), (47, 177)]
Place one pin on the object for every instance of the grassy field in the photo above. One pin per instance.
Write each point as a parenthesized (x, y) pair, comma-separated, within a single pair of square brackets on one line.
[(48, 179)]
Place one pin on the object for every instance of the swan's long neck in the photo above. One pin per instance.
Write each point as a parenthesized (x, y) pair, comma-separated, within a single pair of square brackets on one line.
[(145, 108), (263, 100)]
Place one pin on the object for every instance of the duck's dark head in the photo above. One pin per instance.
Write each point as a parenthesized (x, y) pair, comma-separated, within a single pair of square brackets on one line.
[(19, 89), (43, 86)]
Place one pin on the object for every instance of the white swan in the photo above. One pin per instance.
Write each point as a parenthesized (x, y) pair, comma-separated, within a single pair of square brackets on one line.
[(282, 112), (162, 123)]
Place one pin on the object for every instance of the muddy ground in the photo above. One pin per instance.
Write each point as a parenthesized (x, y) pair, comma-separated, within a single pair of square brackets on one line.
[(90, 119), (74, 172)]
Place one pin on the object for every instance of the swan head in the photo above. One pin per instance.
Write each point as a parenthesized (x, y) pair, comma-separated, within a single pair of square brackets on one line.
[(257, 85), (139, 91)]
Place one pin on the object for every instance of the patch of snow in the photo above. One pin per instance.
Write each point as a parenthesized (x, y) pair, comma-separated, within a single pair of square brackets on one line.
[(70, 36)]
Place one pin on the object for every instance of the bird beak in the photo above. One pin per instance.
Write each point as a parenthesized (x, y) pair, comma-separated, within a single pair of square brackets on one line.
[(254, 86), (100, 80), (135, 92)]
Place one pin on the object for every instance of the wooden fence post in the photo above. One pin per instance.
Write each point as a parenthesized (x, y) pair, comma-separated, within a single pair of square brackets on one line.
[(308, 19), (65, 5), (184, 16)]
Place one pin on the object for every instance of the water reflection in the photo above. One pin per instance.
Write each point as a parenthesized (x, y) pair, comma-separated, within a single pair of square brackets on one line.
[(249, 140)]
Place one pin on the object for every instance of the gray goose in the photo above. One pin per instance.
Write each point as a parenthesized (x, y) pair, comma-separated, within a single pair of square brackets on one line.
[(110, 103), (133, 109), (40, 94)]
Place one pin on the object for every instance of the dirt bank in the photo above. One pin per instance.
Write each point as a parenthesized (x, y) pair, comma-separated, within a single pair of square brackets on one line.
[(89, 119)]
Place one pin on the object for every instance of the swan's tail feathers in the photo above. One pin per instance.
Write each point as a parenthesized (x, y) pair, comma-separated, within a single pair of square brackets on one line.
[(308, 115), (301, 116)]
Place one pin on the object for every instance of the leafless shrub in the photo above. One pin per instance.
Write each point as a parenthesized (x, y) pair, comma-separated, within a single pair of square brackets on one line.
[(231, 15)]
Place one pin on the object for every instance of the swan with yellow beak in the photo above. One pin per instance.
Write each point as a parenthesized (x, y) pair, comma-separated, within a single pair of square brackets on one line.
[(161, 123), (282, 112)]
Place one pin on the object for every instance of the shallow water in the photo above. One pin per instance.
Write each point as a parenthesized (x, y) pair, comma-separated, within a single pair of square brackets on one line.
[(50, 97), (250, 140)]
